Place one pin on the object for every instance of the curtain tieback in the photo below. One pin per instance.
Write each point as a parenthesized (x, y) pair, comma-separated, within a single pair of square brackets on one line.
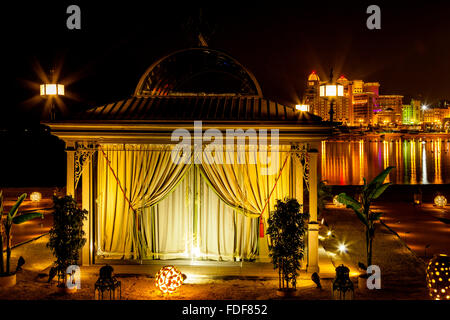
[(261, 223)]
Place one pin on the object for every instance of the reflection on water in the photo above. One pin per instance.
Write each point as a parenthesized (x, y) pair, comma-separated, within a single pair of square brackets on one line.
[(416, 161)]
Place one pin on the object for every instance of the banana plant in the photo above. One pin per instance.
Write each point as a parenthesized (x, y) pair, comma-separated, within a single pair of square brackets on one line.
[(362, 210), (6, 222)]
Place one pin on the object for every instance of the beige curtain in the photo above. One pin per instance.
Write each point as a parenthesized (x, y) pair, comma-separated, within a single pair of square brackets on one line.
[(244, 186), (130, 179), (194, 223), (172, 221)]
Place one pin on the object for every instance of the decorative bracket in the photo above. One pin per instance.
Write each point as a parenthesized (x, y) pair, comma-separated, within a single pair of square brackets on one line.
[(302, 155), (83, 156)]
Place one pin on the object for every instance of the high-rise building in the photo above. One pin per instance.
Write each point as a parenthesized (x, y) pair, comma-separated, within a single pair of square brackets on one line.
[(361, 104), (387, 102)]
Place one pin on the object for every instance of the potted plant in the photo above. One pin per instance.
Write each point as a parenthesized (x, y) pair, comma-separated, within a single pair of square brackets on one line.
[(7, 220), (66, 238), (362, 210), (286, 231)]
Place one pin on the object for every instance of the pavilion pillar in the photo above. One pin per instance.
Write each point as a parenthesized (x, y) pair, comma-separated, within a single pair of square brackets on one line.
[(86, 205), (300, 182), (313, 226), (70, 179)]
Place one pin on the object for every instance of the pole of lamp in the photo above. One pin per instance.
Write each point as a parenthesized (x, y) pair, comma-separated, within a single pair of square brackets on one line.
[(331, 112)]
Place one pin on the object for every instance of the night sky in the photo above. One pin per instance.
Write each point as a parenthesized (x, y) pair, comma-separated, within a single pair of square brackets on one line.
[(280, 43)]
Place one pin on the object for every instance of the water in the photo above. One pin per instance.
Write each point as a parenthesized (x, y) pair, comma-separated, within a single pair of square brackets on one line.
[(416, 161)]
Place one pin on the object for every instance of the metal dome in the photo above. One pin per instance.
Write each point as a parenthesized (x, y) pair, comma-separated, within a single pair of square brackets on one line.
[(197, 71)]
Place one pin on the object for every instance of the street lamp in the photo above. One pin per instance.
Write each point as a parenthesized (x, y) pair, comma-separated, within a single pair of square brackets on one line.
[(50, 91), (302, 107), (331, 91)]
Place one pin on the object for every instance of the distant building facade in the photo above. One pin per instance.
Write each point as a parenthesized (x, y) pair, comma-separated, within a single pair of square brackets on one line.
[(361, 104)]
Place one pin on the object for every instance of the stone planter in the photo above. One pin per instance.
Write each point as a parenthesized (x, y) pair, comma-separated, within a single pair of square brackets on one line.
[(7, 281), (286, 293)]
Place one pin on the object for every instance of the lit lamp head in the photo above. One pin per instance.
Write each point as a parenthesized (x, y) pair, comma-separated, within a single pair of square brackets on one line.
[(302, 107), (331, 90), (52, 89)]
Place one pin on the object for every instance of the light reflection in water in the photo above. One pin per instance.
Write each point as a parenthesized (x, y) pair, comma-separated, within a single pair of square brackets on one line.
[(417, 161)]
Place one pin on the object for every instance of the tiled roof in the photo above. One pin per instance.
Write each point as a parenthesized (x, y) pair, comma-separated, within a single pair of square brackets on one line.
[(196, 107)]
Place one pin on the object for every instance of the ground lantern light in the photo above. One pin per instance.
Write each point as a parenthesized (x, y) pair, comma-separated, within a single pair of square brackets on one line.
[(438, 278), (35, 196), (418, 197), (169, 279), (331, 91), (440, 201), (343, 288)]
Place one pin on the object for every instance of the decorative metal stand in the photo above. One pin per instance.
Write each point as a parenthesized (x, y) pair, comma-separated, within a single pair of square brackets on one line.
[(107, 282), (342, 285)]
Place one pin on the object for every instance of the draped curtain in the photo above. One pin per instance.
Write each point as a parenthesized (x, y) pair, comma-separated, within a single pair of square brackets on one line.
[(164, 219), (131, 178), (245, 186)]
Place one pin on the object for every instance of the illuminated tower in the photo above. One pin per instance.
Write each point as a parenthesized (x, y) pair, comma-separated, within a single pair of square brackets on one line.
[(312, 92)]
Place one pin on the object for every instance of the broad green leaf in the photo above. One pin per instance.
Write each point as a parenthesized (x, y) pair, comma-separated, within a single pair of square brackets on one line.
[(379, 179), (25, 217), (16, 206), (353, 204), (378, 192), (349, 201)]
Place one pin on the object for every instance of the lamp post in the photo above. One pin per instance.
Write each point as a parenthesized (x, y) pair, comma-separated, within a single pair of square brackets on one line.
[(50, 91), (331, 91)]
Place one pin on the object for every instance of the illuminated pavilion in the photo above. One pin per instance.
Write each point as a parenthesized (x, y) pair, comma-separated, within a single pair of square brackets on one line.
[(144, 206)]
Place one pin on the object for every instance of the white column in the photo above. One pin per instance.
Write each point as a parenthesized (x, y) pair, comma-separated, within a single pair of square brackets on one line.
[(70, 180), (313, 226), (299, 185), (86, 204)]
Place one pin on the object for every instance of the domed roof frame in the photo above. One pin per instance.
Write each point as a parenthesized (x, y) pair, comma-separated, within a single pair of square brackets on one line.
[(147, 76)]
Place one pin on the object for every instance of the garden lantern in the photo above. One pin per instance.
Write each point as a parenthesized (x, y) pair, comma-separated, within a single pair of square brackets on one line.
[(418, 198), (342, 285), (35, 196), (169, 279), (438, 278), (440, 201), (107, 282), (337, 203)]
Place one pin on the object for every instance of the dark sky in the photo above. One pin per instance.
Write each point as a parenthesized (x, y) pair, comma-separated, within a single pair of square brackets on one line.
[(278, 42)]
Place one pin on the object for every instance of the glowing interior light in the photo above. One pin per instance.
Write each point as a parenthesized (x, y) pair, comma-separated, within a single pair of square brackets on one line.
[(196, 251), (342, 248)]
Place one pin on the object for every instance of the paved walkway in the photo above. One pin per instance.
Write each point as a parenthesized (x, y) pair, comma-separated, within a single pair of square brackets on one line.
[(424, 229)]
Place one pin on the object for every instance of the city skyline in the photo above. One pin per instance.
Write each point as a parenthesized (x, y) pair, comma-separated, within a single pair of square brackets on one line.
[(279, 45)]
